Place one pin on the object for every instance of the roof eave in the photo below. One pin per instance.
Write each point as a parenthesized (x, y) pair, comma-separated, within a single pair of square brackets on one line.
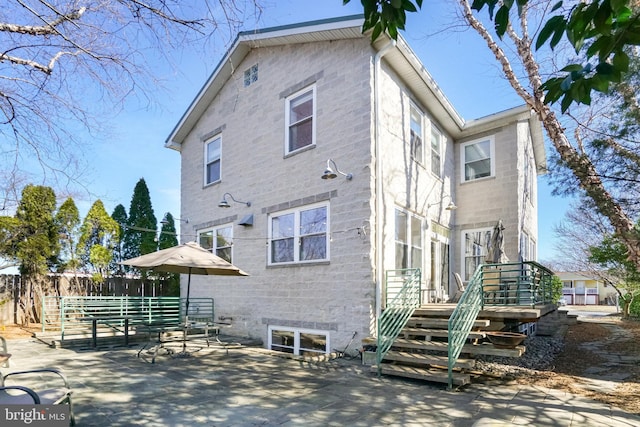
[(236, 54), (502, 118)]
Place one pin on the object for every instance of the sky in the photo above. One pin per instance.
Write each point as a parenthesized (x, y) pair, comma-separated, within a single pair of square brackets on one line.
[(459, 62)]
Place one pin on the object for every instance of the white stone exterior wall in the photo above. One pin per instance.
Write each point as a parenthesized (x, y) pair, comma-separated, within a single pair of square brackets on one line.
[(336, 296), (339, 295), (484, 201), (408, 185)]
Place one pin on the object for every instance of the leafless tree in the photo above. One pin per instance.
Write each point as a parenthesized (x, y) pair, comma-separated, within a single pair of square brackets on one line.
[(65, 64), (581, 230)]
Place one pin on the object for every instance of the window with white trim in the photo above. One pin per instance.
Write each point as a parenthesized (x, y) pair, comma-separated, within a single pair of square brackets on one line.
[(408, 240), (416, 134), (436, 151), (475, 244), (440, 267), (218, 240), (299, 235), (478, 159), (301, 342), (300, 112), (529, 175), (212, 159), (527, 247)]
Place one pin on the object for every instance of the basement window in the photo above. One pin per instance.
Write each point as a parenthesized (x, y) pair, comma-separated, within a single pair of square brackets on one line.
[(300, 342)]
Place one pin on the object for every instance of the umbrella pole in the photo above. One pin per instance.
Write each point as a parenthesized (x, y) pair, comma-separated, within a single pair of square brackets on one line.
[(186, 313)]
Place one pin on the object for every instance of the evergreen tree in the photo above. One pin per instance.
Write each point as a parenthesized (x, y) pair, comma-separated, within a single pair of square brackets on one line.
[(169, 238), (119, 215), (34, 244), (140, 233), (37, 241), (99, 234), (68, 222)]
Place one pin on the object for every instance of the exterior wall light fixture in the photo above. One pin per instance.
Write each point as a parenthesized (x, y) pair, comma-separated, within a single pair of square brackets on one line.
[(330, 174), (225, 204)]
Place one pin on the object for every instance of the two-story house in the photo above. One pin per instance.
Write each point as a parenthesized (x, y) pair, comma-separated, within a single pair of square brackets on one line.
[(289, 106)]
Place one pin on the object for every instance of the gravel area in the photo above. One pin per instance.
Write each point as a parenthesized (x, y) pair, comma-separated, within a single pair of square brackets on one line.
[(540, 356)]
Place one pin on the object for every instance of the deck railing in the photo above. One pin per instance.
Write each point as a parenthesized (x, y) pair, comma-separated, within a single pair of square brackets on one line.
[(462, 319), (523, 283), (401, 303)]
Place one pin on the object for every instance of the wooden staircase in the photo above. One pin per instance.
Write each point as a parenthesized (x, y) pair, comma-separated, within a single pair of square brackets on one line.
[(421, 349)]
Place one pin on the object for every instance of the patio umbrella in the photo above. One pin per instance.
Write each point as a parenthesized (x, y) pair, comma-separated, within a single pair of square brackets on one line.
[(189, 258), (495, 252)]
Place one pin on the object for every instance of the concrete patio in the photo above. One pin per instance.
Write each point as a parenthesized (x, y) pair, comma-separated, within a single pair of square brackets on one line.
[(252, 387)]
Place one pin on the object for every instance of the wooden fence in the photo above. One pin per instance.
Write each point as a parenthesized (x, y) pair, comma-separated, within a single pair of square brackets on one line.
[(16, 297)]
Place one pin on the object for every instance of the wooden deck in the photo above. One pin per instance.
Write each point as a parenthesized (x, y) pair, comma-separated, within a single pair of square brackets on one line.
[(520, 313)]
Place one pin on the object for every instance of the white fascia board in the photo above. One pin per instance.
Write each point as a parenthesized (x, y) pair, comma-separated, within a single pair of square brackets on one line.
[(503, 118), (239, 50)]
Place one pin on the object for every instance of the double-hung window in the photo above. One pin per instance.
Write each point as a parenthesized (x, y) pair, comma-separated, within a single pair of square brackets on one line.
[(218, 240), (475, 244), (416, 135), (212, 159), (408, 239), (299, 235), (478, 159), (436, 151), (300, 112)]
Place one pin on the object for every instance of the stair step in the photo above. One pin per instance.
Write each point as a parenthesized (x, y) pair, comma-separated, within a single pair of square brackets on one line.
[(485, 348), (428, 322), (429, 332), (435, 375), (434, 312), (427, 359)]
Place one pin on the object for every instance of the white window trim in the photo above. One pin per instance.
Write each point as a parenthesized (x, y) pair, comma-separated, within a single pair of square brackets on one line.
[(441, 147), (410, 244), (297, 332), (213, 231), (423, 121), (296, 236), (492, 157), (287, 113), (463, 258), (206, 146)]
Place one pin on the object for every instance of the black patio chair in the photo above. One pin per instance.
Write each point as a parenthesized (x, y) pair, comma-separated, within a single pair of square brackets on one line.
[(20, 394)]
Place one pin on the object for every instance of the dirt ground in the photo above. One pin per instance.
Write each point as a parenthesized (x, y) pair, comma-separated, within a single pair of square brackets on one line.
[(15, 332), (597, 347)]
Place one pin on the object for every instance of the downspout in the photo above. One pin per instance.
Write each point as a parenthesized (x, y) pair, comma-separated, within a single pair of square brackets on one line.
[(378, 170)]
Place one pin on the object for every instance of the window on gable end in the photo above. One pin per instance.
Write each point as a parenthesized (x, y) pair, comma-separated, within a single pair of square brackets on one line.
[(251, 75), (212, 159), (300, 112)]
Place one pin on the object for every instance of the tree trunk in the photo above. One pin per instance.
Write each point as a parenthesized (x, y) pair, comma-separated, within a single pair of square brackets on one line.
[(581, 166)]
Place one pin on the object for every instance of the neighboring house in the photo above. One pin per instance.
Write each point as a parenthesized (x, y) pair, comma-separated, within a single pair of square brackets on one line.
[(581, 288), (280, 104)]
